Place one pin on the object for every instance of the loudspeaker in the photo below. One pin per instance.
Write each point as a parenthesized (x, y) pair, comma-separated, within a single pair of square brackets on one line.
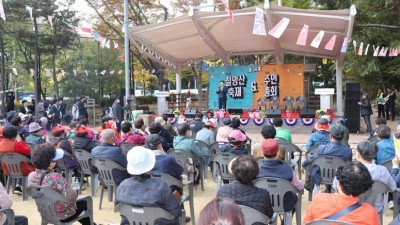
[(353, 91), (235, 111), (169, 113), (307, 113), (274, 113), (351, 108), (353, 124), (190, 113)]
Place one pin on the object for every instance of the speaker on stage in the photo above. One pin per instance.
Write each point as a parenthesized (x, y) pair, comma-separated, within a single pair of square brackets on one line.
[(353, 124), (169, 113), (190, 113), (351, 107), (235, 111), (307, 113), (274, 113)]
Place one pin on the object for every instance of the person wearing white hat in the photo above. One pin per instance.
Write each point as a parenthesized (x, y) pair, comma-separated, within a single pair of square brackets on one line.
[(44, 159), (143, 190)]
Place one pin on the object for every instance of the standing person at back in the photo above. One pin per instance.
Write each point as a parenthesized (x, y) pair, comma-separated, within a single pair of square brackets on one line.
[(75, 110), (380, 101), (118, 113), (390, 104), (55, 113), (82, 108), (10, 101), (62, 106)]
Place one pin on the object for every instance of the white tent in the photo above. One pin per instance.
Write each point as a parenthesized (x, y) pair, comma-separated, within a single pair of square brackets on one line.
[(206, 35)]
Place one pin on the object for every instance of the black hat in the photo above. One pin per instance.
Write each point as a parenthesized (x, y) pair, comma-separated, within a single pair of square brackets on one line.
[(152, 141)]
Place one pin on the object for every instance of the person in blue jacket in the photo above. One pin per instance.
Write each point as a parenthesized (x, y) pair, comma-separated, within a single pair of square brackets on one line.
[(385, 145), (222, 91)]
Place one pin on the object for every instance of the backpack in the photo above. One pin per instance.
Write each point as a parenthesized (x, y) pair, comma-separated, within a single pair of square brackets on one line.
[(108, 112)]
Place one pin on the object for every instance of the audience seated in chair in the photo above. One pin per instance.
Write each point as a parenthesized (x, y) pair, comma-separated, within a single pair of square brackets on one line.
[(207, 136), (385, 145), (245, 169), (341, 123), (108, 150), (236, 140), (235, 124), (134, 136), (378, 121), (44, 161), (268, 132), (197, 124), (320, 136), (353, 180), (221, 211), (164, 132), (35, 134), (168, 126), (280, 131), (184, 142), (143, 190), (166, 138), (271, 166), (224, 131), (109, 123), (365, 154), (82, 140), (5, 203)]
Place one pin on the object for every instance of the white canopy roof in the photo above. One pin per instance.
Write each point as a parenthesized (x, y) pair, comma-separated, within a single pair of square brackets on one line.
[(207, 35)]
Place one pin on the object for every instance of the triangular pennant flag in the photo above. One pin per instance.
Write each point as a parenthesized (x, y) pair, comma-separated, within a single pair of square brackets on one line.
[(381, 52), (75, 72), (32, 72), (30, 11), (86, 72), (259, 23), (230, 13), (344, 45), (107, 45), (396, 52), (331, 43), (360, 50), (355, 46), (103, 72), (50, 18), (120, 72), (116, 45), (366, 50), (317, 40), (2, 14), (48, 73), (376, 50), (279, 28), (302, 39), (103, 43), (112, 72), (63, 73), (15, 71), (385, 52), (95, 71)]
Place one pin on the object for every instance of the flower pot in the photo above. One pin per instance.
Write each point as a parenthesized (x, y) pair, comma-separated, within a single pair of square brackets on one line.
[(257, 114)]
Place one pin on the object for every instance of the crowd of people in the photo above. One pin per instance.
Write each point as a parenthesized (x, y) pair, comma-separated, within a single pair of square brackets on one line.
[(45, 144)]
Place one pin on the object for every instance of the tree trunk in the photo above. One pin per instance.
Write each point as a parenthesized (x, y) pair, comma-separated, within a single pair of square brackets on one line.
[(3, 73), (55, 81), (36, 77)]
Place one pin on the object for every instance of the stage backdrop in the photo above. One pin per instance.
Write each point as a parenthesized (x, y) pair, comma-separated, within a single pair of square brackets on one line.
[(249, 83)]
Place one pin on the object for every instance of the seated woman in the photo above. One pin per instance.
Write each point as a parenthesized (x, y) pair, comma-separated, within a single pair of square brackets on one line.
[(320, 136), (245, 169), (135, 136), (236, 140), (221, 211), (44, 161), (143, 190), (109, 123)]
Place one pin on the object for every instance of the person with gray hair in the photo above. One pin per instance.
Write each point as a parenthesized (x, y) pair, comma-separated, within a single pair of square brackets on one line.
[(385, 145), (108, 150)]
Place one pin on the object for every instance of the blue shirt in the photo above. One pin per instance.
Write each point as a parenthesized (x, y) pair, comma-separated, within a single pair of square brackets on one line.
[(334, 148), (318, 138), (385, 151)]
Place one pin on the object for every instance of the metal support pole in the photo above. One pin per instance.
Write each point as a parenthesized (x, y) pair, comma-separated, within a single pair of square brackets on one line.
[(339, 89), (126, 42)]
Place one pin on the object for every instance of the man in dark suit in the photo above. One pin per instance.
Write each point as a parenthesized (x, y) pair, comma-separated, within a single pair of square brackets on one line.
[(390, 104), (55, 113), (222, 91)]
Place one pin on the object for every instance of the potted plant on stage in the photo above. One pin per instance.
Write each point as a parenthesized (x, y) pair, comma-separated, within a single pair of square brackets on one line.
[(254, 113)]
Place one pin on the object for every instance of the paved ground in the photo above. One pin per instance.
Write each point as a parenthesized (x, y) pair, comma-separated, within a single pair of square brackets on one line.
[(107, 215)]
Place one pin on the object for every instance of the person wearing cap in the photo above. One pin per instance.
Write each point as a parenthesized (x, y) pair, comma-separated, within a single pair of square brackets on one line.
[(168, 126), (143, 190), (108, 150), (206, 135), (35, 134), (85, 122), (135, 136), (109, 123), (366, 110), (224, 131), (353, 180), (341, 123), (16, 121), (82, 141), (280, 131), (222, 91), (365, 154), (386, 150), (44, 159), (118, 113), (197, 124), (156, 128), (271, 166), (321, 136), (184, 141), (236, 139), (267, 132), (242, 190)]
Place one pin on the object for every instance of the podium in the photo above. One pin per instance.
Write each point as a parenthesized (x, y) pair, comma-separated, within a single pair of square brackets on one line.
[(326, 97), (162, 104)]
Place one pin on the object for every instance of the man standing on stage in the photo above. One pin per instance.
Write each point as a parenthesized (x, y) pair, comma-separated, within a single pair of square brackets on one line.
[(222, 91), (390, 104)]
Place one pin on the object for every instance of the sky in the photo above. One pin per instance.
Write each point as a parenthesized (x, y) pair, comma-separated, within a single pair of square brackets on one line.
[(84, 11)]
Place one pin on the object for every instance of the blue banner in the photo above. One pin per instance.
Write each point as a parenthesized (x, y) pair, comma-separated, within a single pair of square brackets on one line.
[(238, 79)]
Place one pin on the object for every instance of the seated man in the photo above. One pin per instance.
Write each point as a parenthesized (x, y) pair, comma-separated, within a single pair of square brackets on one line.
[(108, 150), (143, 190), (365, 154), (184, 142), (44, 159), (385, 145), (271, 166), (280, 131), (197, 124), (320, 136), (378, 121), (35, 136), (164, 132), (156, 128), (236, 140), (167, 125), (353, 180), (82, 139)]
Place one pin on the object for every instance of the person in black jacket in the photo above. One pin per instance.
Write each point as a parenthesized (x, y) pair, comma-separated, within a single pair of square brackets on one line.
[(10, 101), (82, 141), (222, 91), (366, 110), (242, 190)]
